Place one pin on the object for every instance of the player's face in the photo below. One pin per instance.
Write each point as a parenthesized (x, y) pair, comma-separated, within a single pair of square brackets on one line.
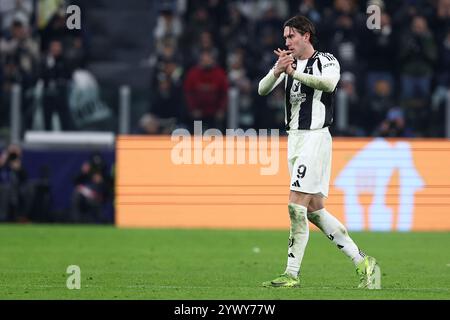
[(295, 41)]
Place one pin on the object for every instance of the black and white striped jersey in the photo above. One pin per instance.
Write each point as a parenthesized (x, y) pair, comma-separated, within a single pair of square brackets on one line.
[(309, 99), (308, 108)]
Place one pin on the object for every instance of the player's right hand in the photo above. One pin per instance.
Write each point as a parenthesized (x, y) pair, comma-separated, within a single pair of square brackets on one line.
[(284, 60)]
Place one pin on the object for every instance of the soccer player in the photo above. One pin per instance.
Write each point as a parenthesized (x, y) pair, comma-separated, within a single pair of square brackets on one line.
[(310, 78)]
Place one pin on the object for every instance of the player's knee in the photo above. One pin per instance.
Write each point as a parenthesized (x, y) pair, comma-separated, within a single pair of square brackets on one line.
[(315, 204), (299, 198), (313, 208)]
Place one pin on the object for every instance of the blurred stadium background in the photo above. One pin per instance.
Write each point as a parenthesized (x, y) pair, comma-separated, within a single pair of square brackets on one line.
[(69, 97)]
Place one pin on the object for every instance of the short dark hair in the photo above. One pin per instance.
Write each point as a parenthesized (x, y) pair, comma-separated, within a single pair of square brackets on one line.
[(303, 25)]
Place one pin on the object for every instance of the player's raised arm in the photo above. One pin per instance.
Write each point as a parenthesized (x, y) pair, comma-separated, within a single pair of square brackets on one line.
[(276, 75), (326, 82)]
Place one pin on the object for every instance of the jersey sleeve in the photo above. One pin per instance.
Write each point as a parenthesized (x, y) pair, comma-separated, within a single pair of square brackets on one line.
[(330, 67), (269, 82), (329, 78)]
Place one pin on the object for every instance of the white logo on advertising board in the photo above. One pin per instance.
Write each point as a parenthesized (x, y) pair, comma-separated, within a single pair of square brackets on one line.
[(370, 171)]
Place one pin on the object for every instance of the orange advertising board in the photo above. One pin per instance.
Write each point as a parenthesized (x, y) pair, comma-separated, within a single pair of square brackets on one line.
[(376, 184)]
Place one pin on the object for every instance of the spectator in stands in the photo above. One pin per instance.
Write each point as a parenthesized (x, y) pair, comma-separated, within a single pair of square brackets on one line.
[(20, 53), (56, 29), (166, 101), (269, 40), (307, 8), (206, 92), (442, 72), (355, 114), (239, 80), (75, 53), (254, 10), (14, 191), (11, 10), (45, 11), (378, 47), (73, 41), (93, 186), (231, 32), (440, 19), (394, 125), (168, 25), (56, 75), (405, 11), (343, 29), (10, 75), (375, 107), (198, 21), (205, 42), (168, 51), (22, 48), (215, 8), (440, 93), (417, 54), (270, 20)]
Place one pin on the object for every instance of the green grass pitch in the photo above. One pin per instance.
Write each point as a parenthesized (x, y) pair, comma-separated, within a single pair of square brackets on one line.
[(210, 264)]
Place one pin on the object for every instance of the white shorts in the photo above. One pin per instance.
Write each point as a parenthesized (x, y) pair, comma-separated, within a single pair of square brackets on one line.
[(309, 160)]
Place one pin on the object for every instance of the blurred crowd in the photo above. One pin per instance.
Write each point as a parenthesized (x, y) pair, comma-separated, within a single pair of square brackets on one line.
[(395, 78), (40, 53)]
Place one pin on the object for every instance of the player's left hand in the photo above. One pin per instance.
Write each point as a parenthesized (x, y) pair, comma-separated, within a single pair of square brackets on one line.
[(285, 55), (281, 53)]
